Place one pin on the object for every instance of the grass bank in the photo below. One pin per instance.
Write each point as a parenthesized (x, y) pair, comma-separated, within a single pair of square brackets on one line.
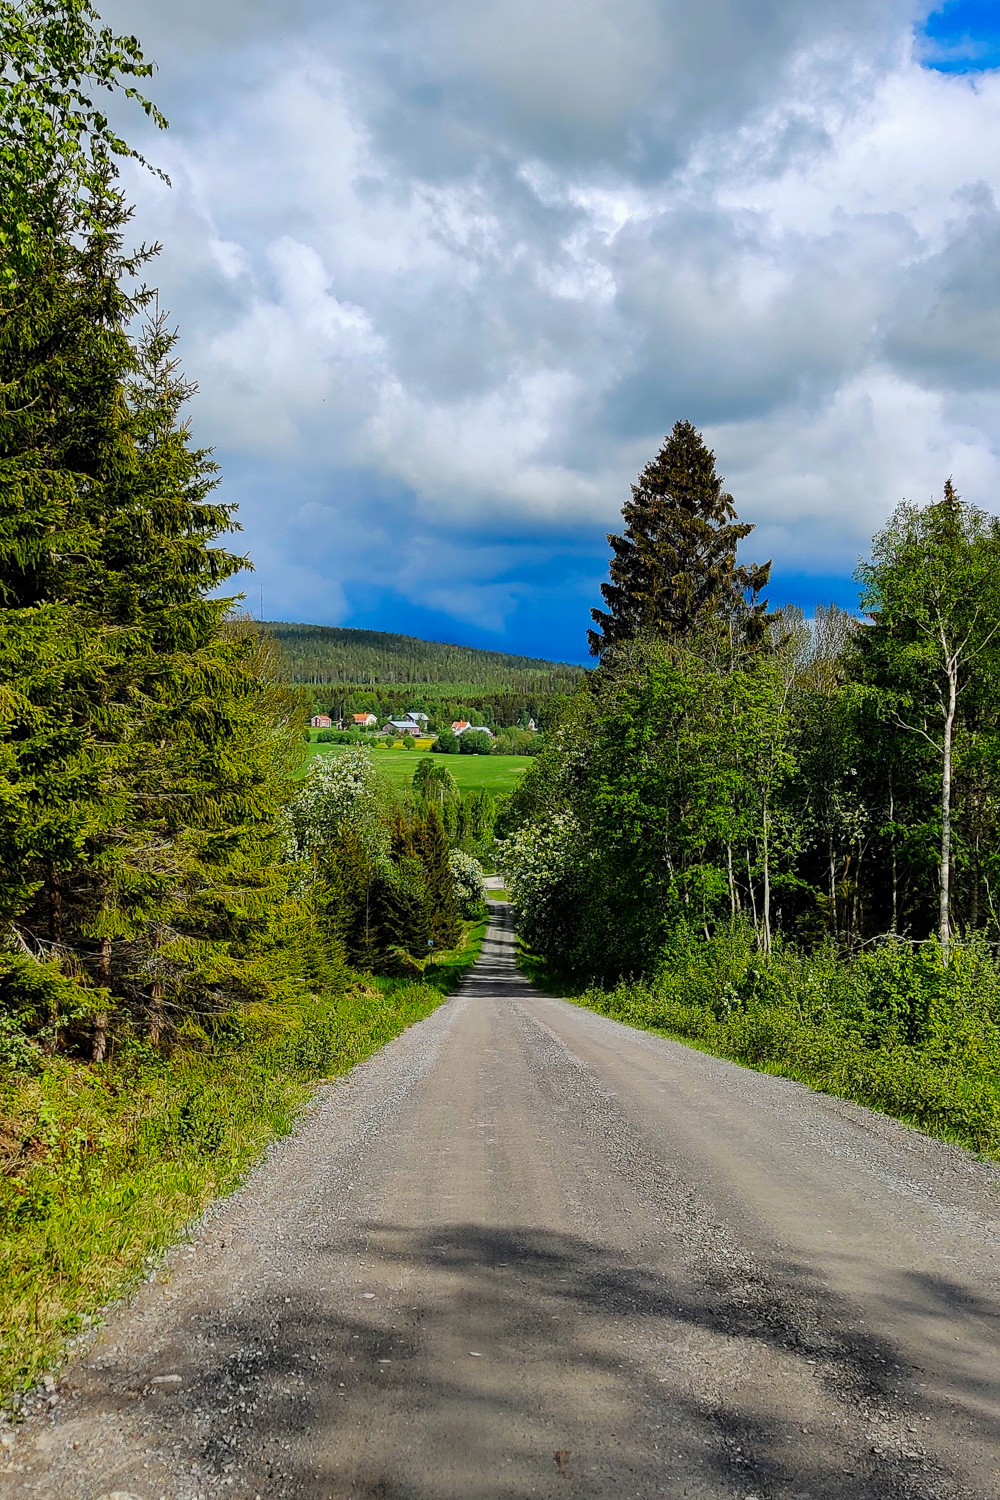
[(893, 1028), (102, 1167)]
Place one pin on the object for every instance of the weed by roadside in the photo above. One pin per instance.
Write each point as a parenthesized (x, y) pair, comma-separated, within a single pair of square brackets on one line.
[(102, 1167)]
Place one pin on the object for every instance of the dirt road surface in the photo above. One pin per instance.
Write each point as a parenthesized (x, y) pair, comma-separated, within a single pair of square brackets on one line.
[(526, 1251)]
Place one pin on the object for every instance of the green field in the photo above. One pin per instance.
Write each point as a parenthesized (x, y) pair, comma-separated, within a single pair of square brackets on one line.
[(474, 773)]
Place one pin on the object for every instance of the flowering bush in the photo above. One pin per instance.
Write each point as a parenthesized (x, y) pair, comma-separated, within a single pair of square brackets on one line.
[(540, 863), (338, 790), (467, 873)]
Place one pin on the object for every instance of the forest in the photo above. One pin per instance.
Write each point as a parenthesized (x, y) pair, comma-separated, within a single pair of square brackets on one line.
[(774, 836)]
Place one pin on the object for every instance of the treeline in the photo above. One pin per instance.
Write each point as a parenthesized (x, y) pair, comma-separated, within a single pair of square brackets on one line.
[(182, 921), (837, 778), (325, 654), (734, 786), (146, 739)]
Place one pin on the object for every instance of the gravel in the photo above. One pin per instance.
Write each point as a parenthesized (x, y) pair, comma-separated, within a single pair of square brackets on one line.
[(525, 1250)]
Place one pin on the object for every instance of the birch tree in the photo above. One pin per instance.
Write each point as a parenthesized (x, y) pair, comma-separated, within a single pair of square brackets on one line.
[(932, 648)]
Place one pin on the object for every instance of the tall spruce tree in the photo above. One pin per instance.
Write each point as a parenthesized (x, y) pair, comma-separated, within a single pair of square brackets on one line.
[(143, 739), (675, 566)]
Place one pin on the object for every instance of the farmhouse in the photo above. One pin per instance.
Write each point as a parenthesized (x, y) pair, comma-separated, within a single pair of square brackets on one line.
[(321, 721), (417, 716), (364, 721), (401, 726), (461, 725)]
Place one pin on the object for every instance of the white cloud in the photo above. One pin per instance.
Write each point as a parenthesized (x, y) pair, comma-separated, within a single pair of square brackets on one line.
[(485, 257)]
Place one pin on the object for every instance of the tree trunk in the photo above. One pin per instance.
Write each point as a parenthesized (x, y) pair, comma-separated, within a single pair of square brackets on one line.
[(766, 913), (100, 1045), (156, 1016), (895, 873), (944, 925), (732, 882), (832, 865), (753, 897)]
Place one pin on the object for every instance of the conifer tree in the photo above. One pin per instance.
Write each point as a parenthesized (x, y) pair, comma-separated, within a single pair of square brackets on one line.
[(675, 566), (442, 907), (144, 742)]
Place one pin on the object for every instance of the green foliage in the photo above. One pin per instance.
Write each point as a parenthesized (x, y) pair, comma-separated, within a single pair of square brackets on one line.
[(377, 871), (674, 570), (145, 743), (475, 742), (655, 801), (517, 742), (58, 148), (930, 661), (442, 905), (446, 743), (470, 893), (434, 782)]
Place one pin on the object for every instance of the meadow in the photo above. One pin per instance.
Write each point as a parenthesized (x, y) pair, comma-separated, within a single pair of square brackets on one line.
[(497, 774)]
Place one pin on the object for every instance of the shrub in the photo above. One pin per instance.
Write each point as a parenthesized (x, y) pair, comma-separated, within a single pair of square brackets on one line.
[(470, 893)]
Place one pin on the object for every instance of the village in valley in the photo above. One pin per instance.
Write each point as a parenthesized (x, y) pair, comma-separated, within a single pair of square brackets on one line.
[(414, 724)]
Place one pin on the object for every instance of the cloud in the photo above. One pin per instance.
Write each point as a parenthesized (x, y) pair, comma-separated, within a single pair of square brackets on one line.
[(446, 274)]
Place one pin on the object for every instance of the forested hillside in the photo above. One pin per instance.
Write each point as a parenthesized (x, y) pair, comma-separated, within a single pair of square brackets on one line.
[(354, 671)]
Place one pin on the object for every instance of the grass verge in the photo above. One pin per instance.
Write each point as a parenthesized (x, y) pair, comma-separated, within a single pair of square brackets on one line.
[(102, 1167)]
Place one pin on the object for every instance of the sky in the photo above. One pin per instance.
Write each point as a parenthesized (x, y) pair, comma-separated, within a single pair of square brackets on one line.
[(447, 271)]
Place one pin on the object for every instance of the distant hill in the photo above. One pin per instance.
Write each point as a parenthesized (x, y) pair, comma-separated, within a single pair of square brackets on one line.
[(331, 654), (351, 670)]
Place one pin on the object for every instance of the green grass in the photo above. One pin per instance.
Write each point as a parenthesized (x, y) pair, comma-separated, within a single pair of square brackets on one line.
[(104, 1166), (474, 773)]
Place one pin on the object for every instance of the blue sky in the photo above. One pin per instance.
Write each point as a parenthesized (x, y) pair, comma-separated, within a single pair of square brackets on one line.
[(963, 37), (446, 275)]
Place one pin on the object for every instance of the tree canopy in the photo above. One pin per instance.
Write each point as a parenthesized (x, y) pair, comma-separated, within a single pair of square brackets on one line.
[(675, 566)]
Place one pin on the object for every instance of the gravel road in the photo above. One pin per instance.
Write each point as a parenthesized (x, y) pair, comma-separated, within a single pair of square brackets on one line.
[(528, 1251)]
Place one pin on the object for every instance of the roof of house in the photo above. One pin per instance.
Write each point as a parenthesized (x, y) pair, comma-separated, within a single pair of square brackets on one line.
[(461, 724)]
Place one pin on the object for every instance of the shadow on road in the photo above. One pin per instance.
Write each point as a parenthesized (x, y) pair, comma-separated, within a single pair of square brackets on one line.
[(585, 1356)]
